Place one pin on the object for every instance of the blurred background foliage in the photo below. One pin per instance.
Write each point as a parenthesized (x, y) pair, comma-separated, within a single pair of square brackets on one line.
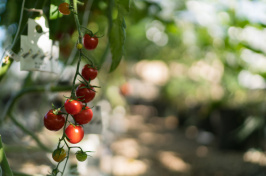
[(201, 61)]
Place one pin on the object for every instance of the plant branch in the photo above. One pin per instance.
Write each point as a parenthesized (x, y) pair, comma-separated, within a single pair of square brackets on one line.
[(11, 103), (77, 19), (34, 10), (25, 130)]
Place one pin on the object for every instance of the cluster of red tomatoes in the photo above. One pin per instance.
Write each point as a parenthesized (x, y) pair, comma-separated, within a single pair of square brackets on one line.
[(76, 105), (54, 119)]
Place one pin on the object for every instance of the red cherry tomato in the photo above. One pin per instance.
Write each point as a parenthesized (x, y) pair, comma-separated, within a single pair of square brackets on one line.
[(64, 8), (90, 42), (52, 121), (74, 133), (84, 116), (89, 73), (125, 89), (85, 94), (73, 106)]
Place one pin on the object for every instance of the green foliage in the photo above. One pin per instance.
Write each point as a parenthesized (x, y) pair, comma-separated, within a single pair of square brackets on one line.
[(54, 13), (117, 40), (123, 6), (117, 34)]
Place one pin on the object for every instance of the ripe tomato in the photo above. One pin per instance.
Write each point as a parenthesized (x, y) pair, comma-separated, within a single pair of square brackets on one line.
[(85, 94), (90, 42), (125, 89), (59, 154), (74, 133), (84, 116), (64, 8), (89, 73), (73, 106), (52, 121), (81, 156)]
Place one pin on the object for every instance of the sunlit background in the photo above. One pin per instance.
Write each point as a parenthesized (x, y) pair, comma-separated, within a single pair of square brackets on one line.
[(187, 99)]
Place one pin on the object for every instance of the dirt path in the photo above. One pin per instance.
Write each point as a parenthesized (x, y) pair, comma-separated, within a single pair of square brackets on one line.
[(154, 146)]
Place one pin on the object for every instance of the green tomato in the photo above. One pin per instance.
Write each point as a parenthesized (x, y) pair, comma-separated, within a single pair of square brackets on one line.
[(81, 156), (59, 154)]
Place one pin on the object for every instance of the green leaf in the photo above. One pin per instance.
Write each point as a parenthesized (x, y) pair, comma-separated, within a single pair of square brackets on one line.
[(117, 38), (54, 13)]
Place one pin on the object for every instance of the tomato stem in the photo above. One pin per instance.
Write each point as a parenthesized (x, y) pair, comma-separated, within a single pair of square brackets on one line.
[(83, 79), (75, 77), (76, 19), (91, 63), (66, 161)]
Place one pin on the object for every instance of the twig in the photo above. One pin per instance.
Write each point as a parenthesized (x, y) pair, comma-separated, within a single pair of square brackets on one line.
[(24, 129), (34, 10), (11, 104)]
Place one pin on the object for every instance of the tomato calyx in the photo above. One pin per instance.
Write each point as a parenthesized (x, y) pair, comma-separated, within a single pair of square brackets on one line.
[(70, 99), (57, 111), (88, 87), (89, 32), (85, 107), (91, 66)]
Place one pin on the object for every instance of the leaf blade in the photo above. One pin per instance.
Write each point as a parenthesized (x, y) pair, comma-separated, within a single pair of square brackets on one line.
[(117, 38)]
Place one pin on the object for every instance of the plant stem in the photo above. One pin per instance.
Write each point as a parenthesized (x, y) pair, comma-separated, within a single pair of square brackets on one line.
[(24, 129), (77, 19), (75, 77), (6, 171), (35, 89), (74, 2)]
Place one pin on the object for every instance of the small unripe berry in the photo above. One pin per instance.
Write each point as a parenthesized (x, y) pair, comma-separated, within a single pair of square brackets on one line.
[(79, 46)]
